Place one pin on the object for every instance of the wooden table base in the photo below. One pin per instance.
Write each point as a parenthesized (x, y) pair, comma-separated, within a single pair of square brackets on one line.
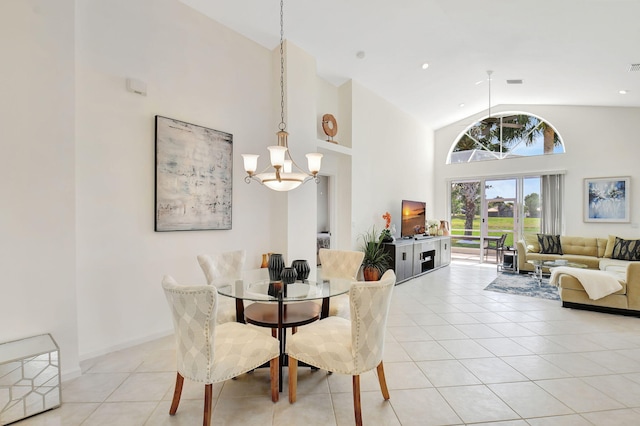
[(293, 315)]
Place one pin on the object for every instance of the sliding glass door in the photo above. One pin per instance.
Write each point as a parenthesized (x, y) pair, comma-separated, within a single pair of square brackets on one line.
[(465, 219), (483, 210), (500, 212), (532, 206)]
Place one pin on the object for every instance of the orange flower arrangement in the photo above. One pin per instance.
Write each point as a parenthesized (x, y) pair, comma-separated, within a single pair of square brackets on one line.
[(387, 218), (385, 235)]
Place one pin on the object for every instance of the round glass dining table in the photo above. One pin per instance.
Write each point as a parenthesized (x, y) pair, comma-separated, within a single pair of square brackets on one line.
[(278, 306)]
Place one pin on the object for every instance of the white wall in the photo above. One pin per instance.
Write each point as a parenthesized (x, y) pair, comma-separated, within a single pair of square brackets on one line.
[(82, 260), (599, 142), (336, 162), (197, 71), (301, 106), (392, 160), (344, 179), (323, 204), (37, 217)]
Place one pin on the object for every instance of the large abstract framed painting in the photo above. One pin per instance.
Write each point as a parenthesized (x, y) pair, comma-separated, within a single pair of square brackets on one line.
[(193, 177), (607, 199)]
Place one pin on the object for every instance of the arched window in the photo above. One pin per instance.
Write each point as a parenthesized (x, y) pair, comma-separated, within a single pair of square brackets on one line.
[(506, 135)]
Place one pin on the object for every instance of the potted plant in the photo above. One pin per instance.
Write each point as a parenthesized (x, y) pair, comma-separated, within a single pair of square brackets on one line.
[(376, 259)]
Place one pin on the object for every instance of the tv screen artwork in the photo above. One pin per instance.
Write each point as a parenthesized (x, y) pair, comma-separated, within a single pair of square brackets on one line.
[(413, 218)]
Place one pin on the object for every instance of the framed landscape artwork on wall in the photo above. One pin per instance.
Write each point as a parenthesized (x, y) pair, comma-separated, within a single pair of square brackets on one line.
[(607, 199), (193, 177)]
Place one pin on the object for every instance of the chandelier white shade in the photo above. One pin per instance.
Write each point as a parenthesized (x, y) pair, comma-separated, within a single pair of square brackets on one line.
[(280, 176)]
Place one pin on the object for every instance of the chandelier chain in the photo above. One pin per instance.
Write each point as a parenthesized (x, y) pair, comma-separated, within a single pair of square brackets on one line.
[(282, 125), (489, 72), (282, 176)]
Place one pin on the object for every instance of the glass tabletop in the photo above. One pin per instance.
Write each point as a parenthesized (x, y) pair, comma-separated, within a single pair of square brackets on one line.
[(263, 290), (553, 263)]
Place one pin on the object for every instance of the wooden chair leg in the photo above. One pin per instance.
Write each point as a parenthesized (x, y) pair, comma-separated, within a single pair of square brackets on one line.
[(176, 394), (383, 381), (273, 373), (208, 394), (293, 379), (357, 408)]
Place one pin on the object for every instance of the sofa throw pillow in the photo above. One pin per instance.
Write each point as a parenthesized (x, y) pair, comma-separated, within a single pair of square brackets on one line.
[(549, 244), (611, 241), (531, 242), (626, 249)]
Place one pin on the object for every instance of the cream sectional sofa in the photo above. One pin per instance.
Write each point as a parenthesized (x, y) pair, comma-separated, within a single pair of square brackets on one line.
[(584, 250), (596, 254)]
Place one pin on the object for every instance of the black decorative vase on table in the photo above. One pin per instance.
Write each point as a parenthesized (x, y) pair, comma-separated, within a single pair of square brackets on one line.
[(302, 268), (289, 275), (276, 265)]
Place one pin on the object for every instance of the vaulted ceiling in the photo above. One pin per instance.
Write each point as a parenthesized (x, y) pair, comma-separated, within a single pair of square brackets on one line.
[(566, 52)]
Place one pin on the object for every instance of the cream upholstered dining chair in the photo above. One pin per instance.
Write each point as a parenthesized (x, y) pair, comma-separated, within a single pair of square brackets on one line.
[(340, 264), (209, 352), (347, 346), (223, 268)]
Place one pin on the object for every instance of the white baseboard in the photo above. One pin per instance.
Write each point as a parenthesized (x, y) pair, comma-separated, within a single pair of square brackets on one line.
[(71, 374), (125, 345)]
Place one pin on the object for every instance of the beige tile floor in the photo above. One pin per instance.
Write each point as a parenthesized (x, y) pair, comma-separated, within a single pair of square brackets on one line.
[(455, 354)]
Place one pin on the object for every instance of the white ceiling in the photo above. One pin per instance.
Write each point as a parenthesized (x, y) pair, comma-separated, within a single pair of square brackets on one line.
[(567, 52)]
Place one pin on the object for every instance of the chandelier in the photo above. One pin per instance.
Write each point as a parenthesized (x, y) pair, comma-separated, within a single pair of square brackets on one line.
[(280, 176)]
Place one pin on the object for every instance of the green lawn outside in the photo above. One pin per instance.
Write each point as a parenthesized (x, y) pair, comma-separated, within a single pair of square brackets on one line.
[(497, 226)]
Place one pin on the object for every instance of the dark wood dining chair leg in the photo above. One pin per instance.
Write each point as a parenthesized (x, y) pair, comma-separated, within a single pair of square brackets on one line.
[(357, 408), (293, 379), (273, 373), (383, 381), (176, 394), (208, 394)]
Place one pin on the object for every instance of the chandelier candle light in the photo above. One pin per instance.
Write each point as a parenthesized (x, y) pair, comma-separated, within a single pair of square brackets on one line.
[(282, 178)]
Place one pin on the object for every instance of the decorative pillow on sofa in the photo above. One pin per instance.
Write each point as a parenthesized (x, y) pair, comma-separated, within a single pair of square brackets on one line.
[(608, 251), (531, 241), (626, 249), (549, 244)]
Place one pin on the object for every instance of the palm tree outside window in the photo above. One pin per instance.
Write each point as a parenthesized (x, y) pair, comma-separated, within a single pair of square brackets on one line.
[(508, 135)]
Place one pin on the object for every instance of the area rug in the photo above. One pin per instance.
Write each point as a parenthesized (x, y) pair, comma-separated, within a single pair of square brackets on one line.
[(523, 285)]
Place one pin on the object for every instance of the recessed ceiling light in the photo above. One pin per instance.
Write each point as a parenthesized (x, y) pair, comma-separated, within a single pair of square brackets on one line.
[(479, 82), (425, 66), (461, 105), (623, 92)]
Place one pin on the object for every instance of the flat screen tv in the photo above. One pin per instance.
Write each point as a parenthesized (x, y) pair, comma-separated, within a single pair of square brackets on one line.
[(413, 218)]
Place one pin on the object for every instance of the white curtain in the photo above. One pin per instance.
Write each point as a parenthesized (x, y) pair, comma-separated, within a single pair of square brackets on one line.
[(552, 189)]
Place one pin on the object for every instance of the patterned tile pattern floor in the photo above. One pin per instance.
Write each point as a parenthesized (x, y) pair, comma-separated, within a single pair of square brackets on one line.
[(455, 354)]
